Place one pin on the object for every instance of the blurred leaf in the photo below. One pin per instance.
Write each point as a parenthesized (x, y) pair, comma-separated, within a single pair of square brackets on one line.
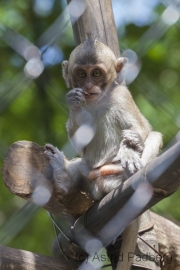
[(17, 222)]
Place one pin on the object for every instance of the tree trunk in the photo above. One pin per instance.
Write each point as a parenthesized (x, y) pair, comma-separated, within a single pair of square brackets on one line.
[(96, 20)]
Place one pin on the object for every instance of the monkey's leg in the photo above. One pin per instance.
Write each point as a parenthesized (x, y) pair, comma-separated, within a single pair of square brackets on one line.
[(59, 164), (69, 175), (152, 146)]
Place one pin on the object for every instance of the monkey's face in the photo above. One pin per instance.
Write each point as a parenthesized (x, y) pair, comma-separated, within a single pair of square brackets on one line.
[(91, 78)]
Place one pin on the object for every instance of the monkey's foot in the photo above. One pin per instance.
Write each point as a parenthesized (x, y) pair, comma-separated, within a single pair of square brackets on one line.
[(56, 157), (129, 160), (50, 148), (133, 140), (60, 174)]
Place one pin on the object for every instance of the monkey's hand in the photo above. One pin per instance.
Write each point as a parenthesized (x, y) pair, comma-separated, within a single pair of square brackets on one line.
[(75, 98), (130, 151), (133, 140), (60, 174)]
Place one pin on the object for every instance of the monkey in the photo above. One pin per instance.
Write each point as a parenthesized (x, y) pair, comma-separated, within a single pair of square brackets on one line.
[(105, 126), (122, 140)]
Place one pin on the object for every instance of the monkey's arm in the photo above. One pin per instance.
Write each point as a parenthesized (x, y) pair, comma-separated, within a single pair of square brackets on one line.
[(139, 144), (75, 100)]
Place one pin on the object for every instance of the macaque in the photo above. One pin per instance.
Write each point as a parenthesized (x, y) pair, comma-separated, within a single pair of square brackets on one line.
[(120, 140)]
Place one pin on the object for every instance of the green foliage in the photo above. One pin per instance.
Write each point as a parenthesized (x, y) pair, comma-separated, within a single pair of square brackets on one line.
[(34, 235), (35, 110)]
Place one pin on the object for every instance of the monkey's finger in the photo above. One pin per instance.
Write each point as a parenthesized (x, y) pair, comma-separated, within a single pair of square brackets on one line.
[(76, 103), (131, 161), (134, 166), (129, 133), (56, 160), (117, 159), (131, 168), (75, 90), (49, 145), (77, 99), (59, 156), (132, 141), (140, 148), (80, 94), (74, 93), (138, 165), (76, 96), (49, 154), (134, 137), (81, 99), (137, 145), (124, 163), (53, 151), (50, 148), (79, 89)]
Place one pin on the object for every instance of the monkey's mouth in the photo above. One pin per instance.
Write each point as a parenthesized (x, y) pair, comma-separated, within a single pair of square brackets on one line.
[(90, 96)]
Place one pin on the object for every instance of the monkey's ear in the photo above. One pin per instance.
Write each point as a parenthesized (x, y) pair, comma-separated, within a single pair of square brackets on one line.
[(120, 63), (65, 72)]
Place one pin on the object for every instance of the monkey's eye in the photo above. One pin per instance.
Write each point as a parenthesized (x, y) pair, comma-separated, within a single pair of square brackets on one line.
[(96, 73), (81, 73)]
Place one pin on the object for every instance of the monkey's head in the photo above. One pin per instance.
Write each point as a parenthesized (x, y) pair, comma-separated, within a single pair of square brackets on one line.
[(93, 67)]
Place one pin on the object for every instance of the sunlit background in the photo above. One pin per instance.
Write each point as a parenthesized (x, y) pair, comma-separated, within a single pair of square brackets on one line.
[(32, 91)]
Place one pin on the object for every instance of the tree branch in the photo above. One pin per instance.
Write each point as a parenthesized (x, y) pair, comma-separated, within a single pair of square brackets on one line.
[(16, 259)]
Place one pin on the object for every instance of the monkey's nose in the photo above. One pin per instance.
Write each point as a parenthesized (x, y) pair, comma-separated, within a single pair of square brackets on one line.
[(88, 86)]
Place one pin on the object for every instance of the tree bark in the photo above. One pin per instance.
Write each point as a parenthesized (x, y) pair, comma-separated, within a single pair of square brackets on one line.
[(167, 234), (16, 259)]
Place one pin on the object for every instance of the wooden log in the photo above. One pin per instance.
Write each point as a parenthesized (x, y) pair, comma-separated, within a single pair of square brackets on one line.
[(15, 259), (96, 20), (28, 174), (167, 234)]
